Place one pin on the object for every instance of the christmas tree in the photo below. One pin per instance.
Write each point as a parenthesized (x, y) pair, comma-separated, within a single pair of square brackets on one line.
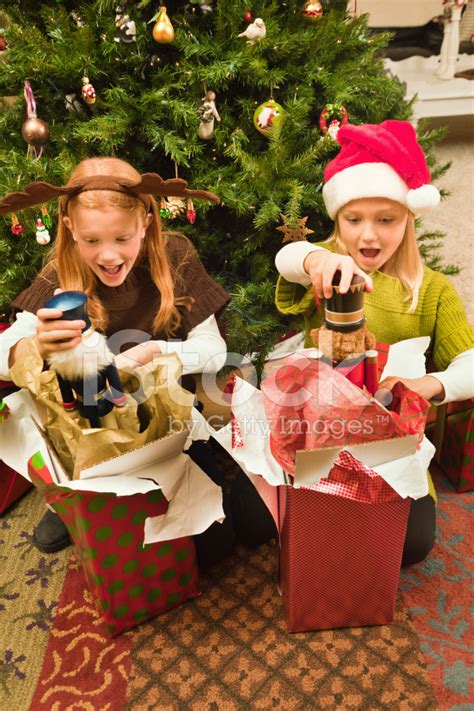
[(242, 98)]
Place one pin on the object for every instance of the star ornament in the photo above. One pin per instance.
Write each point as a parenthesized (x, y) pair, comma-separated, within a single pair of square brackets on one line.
[(294, 234)]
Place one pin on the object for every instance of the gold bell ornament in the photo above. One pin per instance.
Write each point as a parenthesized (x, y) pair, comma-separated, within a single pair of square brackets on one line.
[(163, 30)]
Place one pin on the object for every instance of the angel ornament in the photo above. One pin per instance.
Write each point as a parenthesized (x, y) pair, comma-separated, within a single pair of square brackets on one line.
[(255, 31), (208, 113)]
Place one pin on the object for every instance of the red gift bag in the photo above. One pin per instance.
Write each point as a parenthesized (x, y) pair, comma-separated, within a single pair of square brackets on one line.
[(131, 582), (4, 384), (451, 429), (341, 545), (457, 449), (12, 484)]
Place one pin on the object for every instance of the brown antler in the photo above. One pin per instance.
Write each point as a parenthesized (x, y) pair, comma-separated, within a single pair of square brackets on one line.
[(149, 184), (33, 194)]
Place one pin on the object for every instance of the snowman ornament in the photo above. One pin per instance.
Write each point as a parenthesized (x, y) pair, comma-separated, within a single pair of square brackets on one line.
[(42, 234)]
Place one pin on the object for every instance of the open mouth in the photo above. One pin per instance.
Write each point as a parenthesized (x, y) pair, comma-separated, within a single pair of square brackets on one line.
[(111, 271), (370, 253)]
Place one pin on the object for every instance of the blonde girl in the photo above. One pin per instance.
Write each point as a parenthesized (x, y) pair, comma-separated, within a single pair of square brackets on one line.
[(372, 189)]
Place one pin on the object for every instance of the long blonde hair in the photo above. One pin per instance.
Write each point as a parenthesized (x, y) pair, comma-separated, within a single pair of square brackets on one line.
[(74, 274), (405, 264)]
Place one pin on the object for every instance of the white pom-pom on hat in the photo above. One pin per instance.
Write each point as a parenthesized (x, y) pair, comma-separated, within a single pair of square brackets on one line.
[(423, 198)]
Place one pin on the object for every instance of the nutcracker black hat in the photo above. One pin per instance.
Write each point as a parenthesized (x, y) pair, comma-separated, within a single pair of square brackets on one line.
[(345, 312), (73, 304), (148, 184)]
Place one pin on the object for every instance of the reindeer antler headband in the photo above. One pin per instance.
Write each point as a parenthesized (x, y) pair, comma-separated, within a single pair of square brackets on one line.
[(148, 184)]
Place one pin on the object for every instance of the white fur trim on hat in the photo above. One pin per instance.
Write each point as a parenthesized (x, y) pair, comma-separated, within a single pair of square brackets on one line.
[(362, 181)]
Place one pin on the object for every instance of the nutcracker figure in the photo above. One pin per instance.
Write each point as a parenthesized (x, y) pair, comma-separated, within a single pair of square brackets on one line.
[(343, 340), (87, 376)]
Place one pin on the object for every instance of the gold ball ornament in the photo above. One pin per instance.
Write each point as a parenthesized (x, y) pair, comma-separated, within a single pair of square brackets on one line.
[(163, 30), (312, 11), (267, 116), (35, 131)]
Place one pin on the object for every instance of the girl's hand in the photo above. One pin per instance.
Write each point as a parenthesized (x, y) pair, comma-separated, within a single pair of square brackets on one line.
[(137, 355), (53, 335), (321, 265), (427, 386)]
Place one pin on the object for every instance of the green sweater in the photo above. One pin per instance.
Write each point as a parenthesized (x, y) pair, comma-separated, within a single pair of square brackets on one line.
[(439, 313)]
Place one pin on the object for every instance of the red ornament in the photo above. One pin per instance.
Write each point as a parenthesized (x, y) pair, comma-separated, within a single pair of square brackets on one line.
[(16, 228), (247, 17), (3, 44), (88, 91), (191, 212)]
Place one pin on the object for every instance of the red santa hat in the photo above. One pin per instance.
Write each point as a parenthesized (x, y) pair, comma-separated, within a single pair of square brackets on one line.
[(379, 160)]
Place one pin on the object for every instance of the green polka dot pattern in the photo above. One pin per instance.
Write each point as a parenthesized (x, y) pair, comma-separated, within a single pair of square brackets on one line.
[(164, 549), (103, 533), (109, 560), (168, 574), (131, 566), (457, 452), (125, 539), (130, 582), (142, 614), (149, 570), (115, 586), (97, 504)]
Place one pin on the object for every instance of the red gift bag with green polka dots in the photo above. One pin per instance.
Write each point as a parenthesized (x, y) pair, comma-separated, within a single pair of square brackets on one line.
[(457, 450), (130, 581)]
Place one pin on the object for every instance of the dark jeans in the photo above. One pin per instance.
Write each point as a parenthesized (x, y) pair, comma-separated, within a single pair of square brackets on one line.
[(247, 520), (421, 530), (217, 542)]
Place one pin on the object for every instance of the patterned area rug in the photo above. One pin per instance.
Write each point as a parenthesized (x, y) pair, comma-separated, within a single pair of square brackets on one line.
[(229, 649), (438, 595)]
